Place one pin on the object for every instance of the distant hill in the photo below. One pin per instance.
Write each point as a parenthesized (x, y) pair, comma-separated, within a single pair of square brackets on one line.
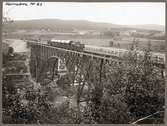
[(149, 27), (72, 25)]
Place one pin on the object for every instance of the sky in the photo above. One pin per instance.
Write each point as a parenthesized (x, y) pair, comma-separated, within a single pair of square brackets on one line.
[(123, 13)]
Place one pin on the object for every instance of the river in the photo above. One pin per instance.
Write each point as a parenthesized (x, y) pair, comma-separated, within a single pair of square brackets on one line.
[(18, 45)]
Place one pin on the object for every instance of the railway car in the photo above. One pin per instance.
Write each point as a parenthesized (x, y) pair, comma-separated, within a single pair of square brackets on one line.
[(117, 52), (59, 43), (67, 44), (107, 51)]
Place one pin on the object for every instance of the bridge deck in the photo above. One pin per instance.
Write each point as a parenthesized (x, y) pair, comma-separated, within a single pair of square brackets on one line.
[(111, 58), (77, 52)]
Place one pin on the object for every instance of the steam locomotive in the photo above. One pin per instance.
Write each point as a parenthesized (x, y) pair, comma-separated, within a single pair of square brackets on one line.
[(67, 44)]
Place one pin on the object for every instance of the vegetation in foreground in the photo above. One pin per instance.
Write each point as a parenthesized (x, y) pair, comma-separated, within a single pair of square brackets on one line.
[(128, 91)]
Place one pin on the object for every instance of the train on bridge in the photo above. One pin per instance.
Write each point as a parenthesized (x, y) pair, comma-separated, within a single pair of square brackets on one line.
[(106, 51), (67, 44)]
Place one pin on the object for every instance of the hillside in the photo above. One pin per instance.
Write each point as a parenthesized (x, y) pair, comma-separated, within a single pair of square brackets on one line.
[(72, 25), (149, 27)]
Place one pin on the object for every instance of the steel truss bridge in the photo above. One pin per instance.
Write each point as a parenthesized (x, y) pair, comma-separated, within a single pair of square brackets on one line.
[(44, 57), (80, 65)]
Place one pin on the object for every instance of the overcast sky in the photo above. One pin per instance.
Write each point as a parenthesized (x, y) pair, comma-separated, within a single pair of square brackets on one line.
[(126, 13)]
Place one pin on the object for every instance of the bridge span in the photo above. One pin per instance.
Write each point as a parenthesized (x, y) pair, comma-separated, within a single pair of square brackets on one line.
[(44, 59)]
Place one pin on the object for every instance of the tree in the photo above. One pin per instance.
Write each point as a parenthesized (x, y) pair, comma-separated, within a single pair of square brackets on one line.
[(10, 51), (142, 86)]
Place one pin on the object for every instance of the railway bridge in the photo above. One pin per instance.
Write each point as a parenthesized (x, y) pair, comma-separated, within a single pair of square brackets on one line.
[(82, 67), (44, 59)]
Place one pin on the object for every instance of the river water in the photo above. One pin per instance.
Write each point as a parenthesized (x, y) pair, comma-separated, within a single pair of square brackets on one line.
[(18, 45)]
